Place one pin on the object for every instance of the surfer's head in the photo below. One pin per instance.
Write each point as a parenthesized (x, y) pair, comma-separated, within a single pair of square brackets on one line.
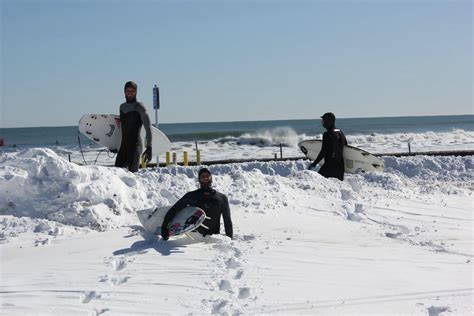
[(205, 178), (329, 120), (130, 90)]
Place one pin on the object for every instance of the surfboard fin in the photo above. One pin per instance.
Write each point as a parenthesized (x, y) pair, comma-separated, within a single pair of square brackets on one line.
[(188, 235), (204, 226), (207, 217)]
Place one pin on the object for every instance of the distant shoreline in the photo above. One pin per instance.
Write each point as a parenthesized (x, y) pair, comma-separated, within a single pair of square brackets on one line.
[(316, 118)]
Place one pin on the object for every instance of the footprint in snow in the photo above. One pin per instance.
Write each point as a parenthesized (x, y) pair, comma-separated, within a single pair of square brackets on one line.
[(237, 252), (249, 237), (239, 274), (346, 195), (41, 242), (118, 264), (393, 235), (114, 280), (232, 263), (436, 310), (117, 280), (244, 237), (218, 306), (244, 293), (96, 312), (87, 296), (222, 247), (224, 285)]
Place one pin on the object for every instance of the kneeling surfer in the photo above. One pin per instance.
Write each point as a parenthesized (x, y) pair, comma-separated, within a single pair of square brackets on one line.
[(214, 203)]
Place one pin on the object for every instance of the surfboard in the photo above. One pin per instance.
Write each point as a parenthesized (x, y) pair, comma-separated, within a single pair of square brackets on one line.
[(105, 129), (186, 220), (356, 160)]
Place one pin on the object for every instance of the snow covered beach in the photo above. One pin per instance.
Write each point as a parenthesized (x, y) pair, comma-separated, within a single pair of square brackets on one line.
[(398, 242)]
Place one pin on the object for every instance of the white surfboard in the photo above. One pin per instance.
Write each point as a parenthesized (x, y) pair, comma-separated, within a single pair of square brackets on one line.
[(186, 220), (356, 160), (105, 129)]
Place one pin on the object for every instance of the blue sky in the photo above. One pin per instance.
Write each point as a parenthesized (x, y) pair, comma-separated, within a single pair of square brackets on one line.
[(235, 60)]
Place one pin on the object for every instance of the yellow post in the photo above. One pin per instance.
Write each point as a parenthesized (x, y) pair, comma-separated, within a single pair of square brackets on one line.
[(168, 158), (185, 159), (142, 163), (198, 157)]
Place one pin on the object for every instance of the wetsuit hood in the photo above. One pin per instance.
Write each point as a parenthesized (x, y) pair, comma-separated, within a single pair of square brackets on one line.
[(133, 85), (130, 84), (329, 121), (205, 185)]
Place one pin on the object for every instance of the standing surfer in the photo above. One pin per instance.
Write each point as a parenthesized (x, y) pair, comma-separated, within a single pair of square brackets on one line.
[(334, 141), (132, 116)]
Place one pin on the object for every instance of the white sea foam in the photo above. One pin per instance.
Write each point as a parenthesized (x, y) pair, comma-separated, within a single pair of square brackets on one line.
[(285, 136), (419, 142), (266, 144)]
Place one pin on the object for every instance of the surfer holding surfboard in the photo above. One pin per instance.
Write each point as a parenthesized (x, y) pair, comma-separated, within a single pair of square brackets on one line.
[(214, 203), (133, 116), (334, 141)]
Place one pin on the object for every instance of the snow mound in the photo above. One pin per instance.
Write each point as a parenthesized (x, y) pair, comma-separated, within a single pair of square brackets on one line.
[(39, 184)]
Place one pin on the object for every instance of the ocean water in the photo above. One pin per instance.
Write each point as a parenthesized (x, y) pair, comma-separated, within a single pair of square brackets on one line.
[(262, 139), (222, 131)]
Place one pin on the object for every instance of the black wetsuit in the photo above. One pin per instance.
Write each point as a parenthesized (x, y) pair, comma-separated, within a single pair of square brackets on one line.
[(212, 202), (333, 145), (132, 117)]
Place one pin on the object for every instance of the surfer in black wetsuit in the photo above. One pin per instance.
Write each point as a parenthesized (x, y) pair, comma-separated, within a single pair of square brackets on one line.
[(331, 150), (132, 116), (214, 203)]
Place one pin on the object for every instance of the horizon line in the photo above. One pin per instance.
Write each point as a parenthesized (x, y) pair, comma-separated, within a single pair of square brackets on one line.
[(269, 120)]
